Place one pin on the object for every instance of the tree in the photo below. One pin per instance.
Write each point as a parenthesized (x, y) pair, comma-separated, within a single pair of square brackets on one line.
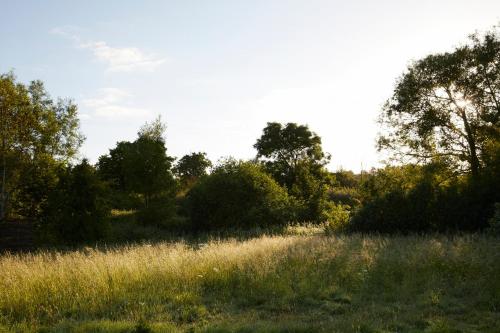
[(140, 167), (154, 130), (111, 166), (77, 208), (416, 198), (446, 107), (36, 136), (147, 169), (292, 154), (191, 167), (285, 148), (238, 195)]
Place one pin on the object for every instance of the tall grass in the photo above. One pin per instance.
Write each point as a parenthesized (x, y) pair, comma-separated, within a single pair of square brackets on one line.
[(341, 283)]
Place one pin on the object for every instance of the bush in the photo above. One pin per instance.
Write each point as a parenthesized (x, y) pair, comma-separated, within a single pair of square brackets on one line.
[(494, 221), (345, 196), (77, 208), (159, 212), (337, 217), (465, 204), (310, 191), (238, 195)]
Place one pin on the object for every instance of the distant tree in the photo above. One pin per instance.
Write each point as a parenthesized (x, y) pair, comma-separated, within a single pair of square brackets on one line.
[(347, 178), (147, 169), (141, 169), (111, 166), (447, 107), (191, 167), (292, 154), (284, 148), (36, 136), (346, 191), (154, 130)]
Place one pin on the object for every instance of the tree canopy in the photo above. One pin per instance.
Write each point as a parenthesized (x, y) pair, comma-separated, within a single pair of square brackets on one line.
[(142, 166), (447, 106), (293, 155), (284, 148), (289, 144), (191, 167), (36, 135)]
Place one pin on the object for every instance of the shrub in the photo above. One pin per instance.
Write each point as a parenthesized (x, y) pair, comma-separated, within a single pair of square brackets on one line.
[(77, 208), (464, 204), (345, 196), (159, 212), (337, 217), (238, 195), (310, 191), (494, 221)]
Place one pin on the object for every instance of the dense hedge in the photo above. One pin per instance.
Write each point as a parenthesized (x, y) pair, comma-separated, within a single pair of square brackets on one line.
[(464, 205)]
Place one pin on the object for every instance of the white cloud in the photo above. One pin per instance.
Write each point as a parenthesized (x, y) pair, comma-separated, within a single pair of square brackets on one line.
[(124, 59), (105, 97), (111, 103)]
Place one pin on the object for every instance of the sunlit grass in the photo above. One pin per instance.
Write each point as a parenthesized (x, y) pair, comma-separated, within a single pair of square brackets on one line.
[(302, 283)]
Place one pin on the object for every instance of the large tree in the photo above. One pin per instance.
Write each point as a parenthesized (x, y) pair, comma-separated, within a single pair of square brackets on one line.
[(292, 154), (36, 135), (140, 167), (286, 148), (446, 107)]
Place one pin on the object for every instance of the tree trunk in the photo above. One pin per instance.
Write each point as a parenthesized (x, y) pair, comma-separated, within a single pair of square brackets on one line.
[(471, 141)]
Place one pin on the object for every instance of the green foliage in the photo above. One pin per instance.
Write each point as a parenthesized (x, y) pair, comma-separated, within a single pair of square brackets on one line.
[(447, 106), (139, 174), (33, 186), (347, 179), (445, 113), (154, 131), (338, 217), (159, 212), (191, 167), (77, 208), (284, 147), (494, 221), (36, 136), (292, 154), (310, 190), (147, 169), (420, 199), (347, 196), (112, 168), (238, 195), (395, 211)]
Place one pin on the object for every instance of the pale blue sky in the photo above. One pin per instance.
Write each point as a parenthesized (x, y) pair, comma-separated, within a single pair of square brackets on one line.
[(217, 71)]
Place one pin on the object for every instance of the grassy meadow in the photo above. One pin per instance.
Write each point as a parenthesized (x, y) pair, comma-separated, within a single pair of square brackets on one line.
[(290, 283)]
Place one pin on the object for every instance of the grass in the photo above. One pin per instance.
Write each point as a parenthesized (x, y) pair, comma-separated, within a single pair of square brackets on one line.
[(293, 283)]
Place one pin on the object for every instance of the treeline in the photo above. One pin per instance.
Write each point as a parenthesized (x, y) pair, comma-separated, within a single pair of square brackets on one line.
[(441, 130)]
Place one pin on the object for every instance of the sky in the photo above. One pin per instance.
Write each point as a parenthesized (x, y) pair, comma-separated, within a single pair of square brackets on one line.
[(217, 71)]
